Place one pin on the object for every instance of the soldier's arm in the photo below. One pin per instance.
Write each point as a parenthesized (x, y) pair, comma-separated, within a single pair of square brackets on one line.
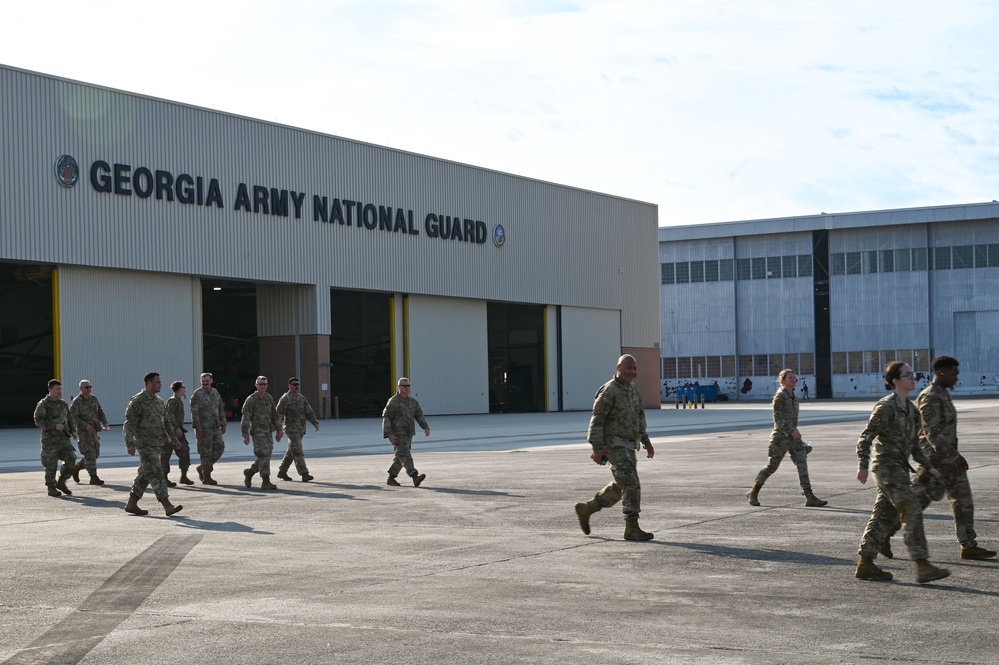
[(275, 419), (195, 415), (128, 428), (784, 414), (100, 415), (932, 420), (244, 423), (387, 417), (418, 416), (642, 433), (310, 415), (282, 405), (221, 409), (602, 405), (41, 422), (874, 426)]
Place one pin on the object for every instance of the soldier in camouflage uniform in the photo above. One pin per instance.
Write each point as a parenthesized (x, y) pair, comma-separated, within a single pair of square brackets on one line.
[(175, 412), (147, 429), (295, 410), (617, 428), (260, 419), (939, 431), (891, 436), (786, 439), (52, 416), (397, 426), (89, 418), (208, 418)]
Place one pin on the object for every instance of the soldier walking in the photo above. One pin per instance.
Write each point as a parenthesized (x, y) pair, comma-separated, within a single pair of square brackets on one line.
[(147, 429), (175, 412), (52, 416), (295, 410), (208, 418), (260, 420), (397, 426), (617, 428), (89, 418), (785, 439)]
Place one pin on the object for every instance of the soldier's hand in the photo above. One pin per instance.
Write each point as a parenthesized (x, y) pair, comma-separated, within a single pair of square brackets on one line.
[(60, 427), (279, 434), (178, 432), (246, 440), (391, 438), (131, 450), (197, 431), (106, 427), (316, 425), (90, 428), (426, 432), (599, 457), (651, 451), (177, 445), (795, 434), (223, 428), (862, 476), (960, 463), (935, 473)]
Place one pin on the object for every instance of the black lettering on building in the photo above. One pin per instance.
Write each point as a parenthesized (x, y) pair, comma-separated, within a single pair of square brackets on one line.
[(369, 216), (242, 198), (296, 199), (121, 179), (481, 233), (143, 183), (349, 207), (336, 215), (259, 198), (413, 231), (430, 224), (384, 218), (214, 194), (164, 184), (100, 179), (279, 202), (185, 188)]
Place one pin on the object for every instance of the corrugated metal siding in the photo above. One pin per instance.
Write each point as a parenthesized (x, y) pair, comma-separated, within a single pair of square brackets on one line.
[(591, 347), (450, 372), (118, 325), (564, 246)]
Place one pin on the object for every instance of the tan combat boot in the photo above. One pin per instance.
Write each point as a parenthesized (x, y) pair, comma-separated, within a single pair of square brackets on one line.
[(61, 484), (754, 494), (267, 484), (866, 570), (927, 572), (633, 532), (133, 506), (813, 501), (184, 480), (208, 480), (886, 548), (76, 470), (169, 508), (976, 552), (94, 479), (583, 512)]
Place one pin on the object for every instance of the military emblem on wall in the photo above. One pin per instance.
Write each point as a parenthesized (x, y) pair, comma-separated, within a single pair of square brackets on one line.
[(67, 171), (499, 235)]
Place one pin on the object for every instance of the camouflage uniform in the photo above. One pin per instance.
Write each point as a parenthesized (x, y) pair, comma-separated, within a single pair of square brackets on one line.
[(260, 420), (892, 434), (785, 408), (939, 434), (295, 410), (49, 412), (175, 418), (208, 414), (147, 429), (397, 419), (86, 410), (617, 427)]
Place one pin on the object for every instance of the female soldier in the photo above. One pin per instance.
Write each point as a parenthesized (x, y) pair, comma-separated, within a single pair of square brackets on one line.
[(892, 434)]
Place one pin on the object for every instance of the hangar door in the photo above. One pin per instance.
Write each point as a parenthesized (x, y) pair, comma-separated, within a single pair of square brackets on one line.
[(591, 345)]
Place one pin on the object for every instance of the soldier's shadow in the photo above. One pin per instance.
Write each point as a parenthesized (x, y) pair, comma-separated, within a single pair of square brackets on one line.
[(464, 492), (750, 554), (224, 527), (284, 490)]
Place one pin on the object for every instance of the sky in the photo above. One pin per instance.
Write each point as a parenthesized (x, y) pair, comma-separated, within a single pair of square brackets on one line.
[(713, 110)]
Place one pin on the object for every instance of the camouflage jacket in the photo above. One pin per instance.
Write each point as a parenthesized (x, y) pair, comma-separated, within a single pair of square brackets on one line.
[(892, 434), (87, 411), (175, 412), (52, 411), (785, 407), (146, 424), (296, 410), (399, 414), (207, 409), (259, 416), (939, 423), (618, 417)]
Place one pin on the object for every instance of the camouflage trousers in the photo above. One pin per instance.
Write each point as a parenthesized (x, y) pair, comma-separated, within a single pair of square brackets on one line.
[(52, 452), (626, 488), (896, 500), (210, 447), (183, 456), (90, 450), (958, 491), (778, 448), (403, 449), (263, 448), (295, 453), (150, 473)]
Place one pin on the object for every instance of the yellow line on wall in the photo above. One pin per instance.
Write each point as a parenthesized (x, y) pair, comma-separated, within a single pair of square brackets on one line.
[(56, 332), (394, 362)]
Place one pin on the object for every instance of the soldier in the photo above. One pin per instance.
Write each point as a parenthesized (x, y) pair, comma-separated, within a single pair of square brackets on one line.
[(786, 439), (295, 410), (52, 416), (260, 419), (397, 426), (208, 418), (147, 429), (89, 418), (939, 431), (175, 412), (616, 428), (892, 434)]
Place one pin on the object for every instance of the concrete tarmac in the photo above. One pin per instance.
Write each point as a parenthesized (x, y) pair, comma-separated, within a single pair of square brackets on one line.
[(485, 562)]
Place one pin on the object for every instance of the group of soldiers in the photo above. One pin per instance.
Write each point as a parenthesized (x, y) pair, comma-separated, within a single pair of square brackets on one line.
[(896, 430), (155, 430)]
